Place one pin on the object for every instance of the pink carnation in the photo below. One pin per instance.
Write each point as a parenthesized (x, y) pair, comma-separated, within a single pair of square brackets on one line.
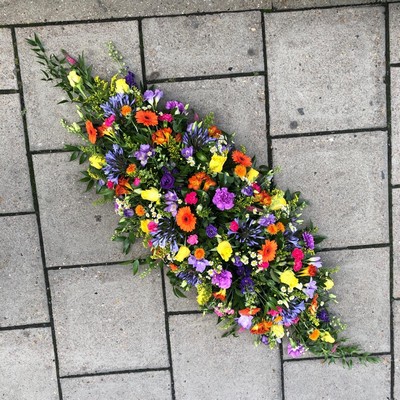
[(110, 185), (297, 254), (136, 181), (165, 117), (234, 226), (191, 198), (297, 265), (109, 121), (152, 226), (193, 239)]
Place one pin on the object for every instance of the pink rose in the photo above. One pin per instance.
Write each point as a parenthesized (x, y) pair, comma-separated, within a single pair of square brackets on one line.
[(136, 181), (110, 185), (152, 226), (165, 117)]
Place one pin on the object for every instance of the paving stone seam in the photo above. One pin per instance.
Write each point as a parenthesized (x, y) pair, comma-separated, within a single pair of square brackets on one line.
[(106, 373), (390, 199), (300, 360), (27, 326), (89, 265), (16, 214), (36, 206), (49, 151), (395, 65), (357, 247), (9, 91), (366, 4), (185, 312), (142, 55)]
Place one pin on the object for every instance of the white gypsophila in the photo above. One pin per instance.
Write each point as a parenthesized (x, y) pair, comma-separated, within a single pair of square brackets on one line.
[(244, 260), (253, 254), (253, 263), (283, 289), (280, 302), (259, 257), (147, 215)]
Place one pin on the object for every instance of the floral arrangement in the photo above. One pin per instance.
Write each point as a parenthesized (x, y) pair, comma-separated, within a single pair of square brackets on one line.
[(203, 208)]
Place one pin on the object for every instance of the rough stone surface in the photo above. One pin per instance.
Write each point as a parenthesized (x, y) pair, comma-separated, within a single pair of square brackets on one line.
[(326, 69), (293, 4), (203, 361), (68, 215), (347, 191), (175, 303), (394, 32), (27, 369), (333, 382), (15, 188), (203, 45), (23, 297), (395, 105), (8, 79), (137, 386), (396, 316), (396, 242), (222, 96), (67, 10), (42, 111), (101, 324)]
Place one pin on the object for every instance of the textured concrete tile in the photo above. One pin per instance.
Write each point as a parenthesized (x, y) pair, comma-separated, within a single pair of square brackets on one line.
[(8, 79), (15, 188), (396, 242), (223, 97), (310, 379), (107, 320), (394, 32), (27, 369), (395, 105), (180, 303), (326, 69), (283, 4), (42, 111), (137, 386), (75, 231), (207, 366), (344, 178), (396, 324), (72, 10), (23, 297), (203, 45)]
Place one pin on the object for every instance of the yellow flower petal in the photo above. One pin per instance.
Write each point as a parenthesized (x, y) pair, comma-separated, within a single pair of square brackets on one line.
[(289, 278), (216, 163), (151, 194), (143, 225), (183, 253), (252, 175), (121, 86), (224, 250)]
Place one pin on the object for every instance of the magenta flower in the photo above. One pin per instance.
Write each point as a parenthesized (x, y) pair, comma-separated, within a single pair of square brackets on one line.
[(193, 239), (222, 279), (223, 199), (191, 198), (166, 117)]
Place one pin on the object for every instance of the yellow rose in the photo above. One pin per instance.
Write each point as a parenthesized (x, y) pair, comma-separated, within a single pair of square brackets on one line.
[(278, 331), (151, 194), (225, 250), (326, 337), (329, 284), (277, 202), (183, 253), (143, 225), (252, 174), (289, 278), (121, 86), (74, 78), (217, 162), (97, 161)]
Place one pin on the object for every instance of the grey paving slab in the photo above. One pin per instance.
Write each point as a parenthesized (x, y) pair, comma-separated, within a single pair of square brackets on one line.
[(180, 303), (72, 10), (136, 386), (294, 4), (346, 189), (7, 67), (326, 69), (15, 190), (396, 325), (23, 297), (394, 32), (42, 111), (395, 106), (312, 379), (207, 366), (203, 45), (107, 320), (222, 96), (75, 230), (396, 242), (27, 369)]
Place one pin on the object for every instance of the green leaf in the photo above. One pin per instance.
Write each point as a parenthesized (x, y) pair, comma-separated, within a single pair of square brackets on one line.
[(135, 267)]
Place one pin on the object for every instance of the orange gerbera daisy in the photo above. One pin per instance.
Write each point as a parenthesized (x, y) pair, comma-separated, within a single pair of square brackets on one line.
[(161, 136), (92, 132), (186, 219), (240, 171), (268, 250), (240, 158), (148, 118), (126, 110), (261, 328), (131, 169), (280, 227)]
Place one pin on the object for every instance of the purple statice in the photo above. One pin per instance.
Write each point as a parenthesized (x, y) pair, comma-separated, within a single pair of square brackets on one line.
[(246, 285), (323, 315), (153, 97), (247, 191), (187, 152), (198, 265), (167, 181), (223, 199), (222, 279), (249, 232), (290, 315), (130, 79), (180, 107), (310, 288), (190, 277), (116, 163), (171, 200), (196, 137), (308, 240), (167, 233), (144, 153), (211, 231), (115, 103), (295, 351), (244, 321), (267, 220)]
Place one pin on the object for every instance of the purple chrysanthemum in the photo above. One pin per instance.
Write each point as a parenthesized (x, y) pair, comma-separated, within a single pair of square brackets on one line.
[(308, 240), (222, 279), (223, 199)]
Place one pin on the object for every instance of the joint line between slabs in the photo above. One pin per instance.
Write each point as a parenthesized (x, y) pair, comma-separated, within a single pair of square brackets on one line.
[(27, 326), (283, 10), (36, 206)]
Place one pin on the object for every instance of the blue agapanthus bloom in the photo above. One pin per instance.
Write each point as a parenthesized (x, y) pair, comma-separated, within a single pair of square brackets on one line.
[(290, 315), (116, 163), (190, 277), (196, 137), (249, 232), (115, 103), (167, 233)]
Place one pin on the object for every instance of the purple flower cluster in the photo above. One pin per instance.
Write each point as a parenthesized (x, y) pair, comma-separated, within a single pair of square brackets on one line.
[(222, 279), (223, 199), (144, 153)]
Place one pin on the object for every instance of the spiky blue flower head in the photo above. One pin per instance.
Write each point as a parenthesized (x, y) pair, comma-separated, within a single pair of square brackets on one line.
[(249, 232), (190, 277), (115, 103), (116, 163), (196, 136), (167, 233)]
